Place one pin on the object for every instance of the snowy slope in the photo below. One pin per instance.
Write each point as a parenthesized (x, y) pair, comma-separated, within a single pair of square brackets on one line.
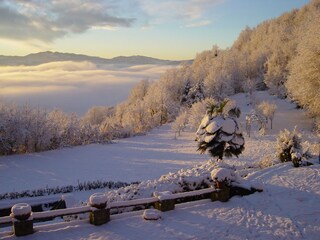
[(134, 159), (140, 158), (287, 209)]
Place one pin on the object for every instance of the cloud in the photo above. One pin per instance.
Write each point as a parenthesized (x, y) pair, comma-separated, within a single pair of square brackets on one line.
[(168, 10), (72, 86), (198, 24), (49, 20)]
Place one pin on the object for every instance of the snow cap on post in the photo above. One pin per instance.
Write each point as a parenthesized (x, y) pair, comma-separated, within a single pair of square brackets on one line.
[(21, 211), (98, 200), (166, 195)]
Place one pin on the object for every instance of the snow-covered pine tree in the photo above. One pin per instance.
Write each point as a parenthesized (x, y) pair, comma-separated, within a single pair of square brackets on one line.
[(219, 132)]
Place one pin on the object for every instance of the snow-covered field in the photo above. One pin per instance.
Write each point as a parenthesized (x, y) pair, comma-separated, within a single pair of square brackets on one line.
[(133, 159), (288, 208)]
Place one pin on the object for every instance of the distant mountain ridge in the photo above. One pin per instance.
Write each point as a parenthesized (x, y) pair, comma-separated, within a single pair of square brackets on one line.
[(34, 59)]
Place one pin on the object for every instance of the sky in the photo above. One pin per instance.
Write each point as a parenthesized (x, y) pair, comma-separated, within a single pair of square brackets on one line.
[(166, 29)]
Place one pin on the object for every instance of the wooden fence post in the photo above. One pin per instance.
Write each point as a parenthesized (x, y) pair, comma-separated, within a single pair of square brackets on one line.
[(165, 202), (223, 192), (100, 214), (22, 221)]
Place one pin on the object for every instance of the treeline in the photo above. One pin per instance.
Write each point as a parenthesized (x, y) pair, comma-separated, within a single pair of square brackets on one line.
[(27, 129), (280, 55)]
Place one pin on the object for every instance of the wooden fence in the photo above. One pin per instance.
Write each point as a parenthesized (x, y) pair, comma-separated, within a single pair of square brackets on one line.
[(102, 215)]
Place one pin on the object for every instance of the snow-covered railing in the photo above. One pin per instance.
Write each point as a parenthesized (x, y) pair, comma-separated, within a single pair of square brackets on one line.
[(23, 218), (112, 205), (132, 203), (4, 220), (193, 193), (60, 212)]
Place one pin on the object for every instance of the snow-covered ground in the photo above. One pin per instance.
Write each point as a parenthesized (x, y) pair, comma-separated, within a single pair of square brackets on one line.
[(133, 159), (288, 208)]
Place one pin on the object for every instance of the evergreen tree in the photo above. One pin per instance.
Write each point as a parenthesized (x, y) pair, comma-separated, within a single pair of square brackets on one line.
[(219, 132)]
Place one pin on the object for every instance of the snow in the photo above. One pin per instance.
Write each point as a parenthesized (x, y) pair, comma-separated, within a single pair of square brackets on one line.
[(142, 201), (134, 159), (30, 201), (225, 137), (238, 140), (288, 207), (215, 124), (205, 121), (229, 126), (222, 174), (208, 138), (193, 193), (60, 212), (7, 219), (20, 209), (166, 195), (97, 199), (151, 214)]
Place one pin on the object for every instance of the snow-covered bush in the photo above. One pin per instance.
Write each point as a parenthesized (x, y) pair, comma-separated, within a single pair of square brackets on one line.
[(266, 161), (219, 132), (289, 147), (185, 180), (196, 178)]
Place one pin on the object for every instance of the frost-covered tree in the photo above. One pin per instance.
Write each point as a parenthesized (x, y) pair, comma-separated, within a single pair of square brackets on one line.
[(96, 114), (304, 78), (162, 101), (255, 118), (196, 113), (267, 110), (203, 62), (289, 148), (136, 118), (139, 91), (219, 132), (193, 94), (181, 122)]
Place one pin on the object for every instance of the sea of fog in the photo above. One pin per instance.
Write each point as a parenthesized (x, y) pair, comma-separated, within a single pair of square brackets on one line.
[(72, 86)]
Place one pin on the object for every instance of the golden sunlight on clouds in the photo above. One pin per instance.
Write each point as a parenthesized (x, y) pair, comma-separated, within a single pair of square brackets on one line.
[(65, 76), (33, 89), (72, 86)]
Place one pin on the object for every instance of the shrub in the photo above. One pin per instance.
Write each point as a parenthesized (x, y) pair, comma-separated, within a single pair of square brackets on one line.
[(289, 148)]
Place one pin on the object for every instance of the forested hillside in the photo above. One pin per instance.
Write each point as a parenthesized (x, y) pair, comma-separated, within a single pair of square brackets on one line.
[(280, 55)]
